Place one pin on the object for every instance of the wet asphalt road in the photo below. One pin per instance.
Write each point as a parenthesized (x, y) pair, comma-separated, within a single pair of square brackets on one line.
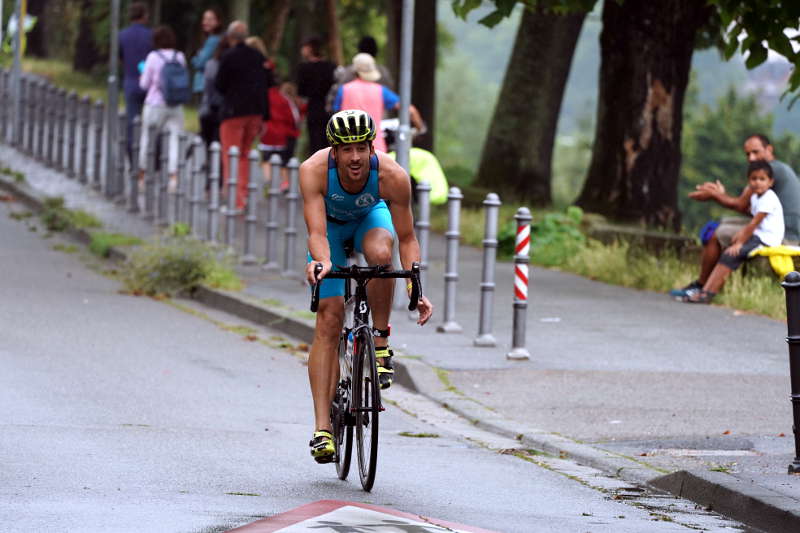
[(130, 414)]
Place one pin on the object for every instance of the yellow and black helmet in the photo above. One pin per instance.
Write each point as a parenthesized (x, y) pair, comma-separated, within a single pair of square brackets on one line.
[(350, 126)]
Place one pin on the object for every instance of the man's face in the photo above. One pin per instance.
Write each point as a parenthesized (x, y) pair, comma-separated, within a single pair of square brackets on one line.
[(755, 150), (305, 52), (352, 160)]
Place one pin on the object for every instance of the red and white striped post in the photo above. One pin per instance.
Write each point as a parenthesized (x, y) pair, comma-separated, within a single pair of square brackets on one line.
[(522, 250)]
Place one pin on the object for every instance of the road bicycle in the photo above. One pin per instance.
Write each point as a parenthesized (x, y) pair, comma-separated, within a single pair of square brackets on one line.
[(357, 402)]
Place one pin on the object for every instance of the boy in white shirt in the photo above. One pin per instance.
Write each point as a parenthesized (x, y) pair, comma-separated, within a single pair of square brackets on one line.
[(764, 229)]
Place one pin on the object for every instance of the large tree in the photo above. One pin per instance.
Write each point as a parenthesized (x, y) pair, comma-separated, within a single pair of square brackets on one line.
[(646, 51), (518, 150)]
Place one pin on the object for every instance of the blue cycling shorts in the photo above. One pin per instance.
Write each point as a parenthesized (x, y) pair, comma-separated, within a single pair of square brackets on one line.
[(378, 217)]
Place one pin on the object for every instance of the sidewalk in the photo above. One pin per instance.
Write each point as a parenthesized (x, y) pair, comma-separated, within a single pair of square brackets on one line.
[(690, 399)]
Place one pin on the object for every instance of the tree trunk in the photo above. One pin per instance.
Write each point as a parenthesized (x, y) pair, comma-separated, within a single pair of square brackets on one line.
[(646, 50), (423, 83), (36, 41), (334, 38), (87, 53), (274, 33), (518, 150)]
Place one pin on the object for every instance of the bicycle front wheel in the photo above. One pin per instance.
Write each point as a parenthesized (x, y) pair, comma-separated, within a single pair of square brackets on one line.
[(341, 417), (366, 401)]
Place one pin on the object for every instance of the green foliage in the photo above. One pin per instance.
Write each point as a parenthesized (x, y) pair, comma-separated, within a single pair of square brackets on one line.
[(101, 242), (554, 239), (169, 265), (621, 264), (57, 217), (762, 25), (179, 229), (18, 177)]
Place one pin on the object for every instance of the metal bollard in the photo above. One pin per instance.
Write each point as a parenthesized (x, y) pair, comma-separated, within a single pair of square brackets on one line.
[(19, 132), (423, 225), (61, 121), (230, 216), (290, 230), (85, 107), (485, 337), (178, 211), (98, 144), (72, 132), (50, 92), (271, 226), (41, 120), (252, 208), (791, 284), (195, 185), (33, 90), (213, 204), (149, 175), (122, 150), (163, 180), (450, 325), (522, 250), (133, 190)]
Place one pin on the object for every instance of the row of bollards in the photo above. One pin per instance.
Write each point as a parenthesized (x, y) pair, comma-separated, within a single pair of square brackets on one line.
[(485, 337)]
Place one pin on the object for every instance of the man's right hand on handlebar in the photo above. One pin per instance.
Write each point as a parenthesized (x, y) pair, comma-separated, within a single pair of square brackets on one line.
[(311, 277)]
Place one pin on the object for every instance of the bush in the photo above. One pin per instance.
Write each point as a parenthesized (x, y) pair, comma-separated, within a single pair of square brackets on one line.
[(554, 239), (169, 265), (102, 243), (57, 217)]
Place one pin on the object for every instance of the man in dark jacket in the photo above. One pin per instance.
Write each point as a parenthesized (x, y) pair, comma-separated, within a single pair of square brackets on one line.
[(135, 42), (242, 80)]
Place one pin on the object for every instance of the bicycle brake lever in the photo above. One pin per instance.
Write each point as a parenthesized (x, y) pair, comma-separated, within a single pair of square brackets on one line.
[(315, 288)]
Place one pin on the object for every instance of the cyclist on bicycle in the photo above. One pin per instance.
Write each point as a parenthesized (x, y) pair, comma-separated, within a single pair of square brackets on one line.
[(352, 193)]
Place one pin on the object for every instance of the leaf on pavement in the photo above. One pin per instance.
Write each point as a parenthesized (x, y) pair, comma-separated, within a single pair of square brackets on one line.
[(726, 432), (251, 338)]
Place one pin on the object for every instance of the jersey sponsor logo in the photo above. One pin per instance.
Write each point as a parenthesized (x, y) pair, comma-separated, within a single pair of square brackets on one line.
[(336, 197), (365, 200)]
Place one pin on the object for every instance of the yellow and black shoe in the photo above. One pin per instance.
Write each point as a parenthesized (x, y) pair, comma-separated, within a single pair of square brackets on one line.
[(322, 449), (385, 368)]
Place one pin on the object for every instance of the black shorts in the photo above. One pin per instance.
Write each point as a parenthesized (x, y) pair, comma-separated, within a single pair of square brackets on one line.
[(286, 152), (733, 261)]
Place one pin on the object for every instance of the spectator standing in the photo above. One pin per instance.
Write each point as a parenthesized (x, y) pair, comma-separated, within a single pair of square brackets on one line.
[(135, 42), (157, 111), (347, 73), (757, 147), (314, 80), (212, 100), (242, 81), (212, 28), (282, 129), (366, 94), (269, 66)]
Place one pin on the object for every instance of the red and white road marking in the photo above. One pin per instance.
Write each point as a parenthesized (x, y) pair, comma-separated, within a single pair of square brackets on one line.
[(336, 516)]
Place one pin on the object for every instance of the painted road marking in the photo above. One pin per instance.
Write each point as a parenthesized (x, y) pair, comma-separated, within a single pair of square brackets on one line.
[(335, 516)]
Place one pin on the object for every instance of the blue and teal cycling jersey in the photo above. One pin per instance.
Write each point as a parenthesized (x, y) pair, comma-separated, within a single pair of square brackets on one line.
[(350, 216), (348, 207)]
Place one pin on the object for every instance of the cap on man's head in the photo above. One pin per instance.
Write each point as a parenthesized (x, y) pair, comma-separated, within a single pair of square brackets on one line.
[(364, 65)]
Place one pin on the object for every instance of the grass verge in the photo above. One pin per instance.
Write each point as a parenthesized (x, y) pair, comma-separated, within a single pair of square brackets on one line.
[(102, 242), (57, 217)]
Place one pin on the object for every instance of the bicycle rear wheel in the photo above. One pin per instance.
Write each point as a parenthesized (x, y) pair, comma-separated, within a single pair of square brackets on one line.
[(366, 401)]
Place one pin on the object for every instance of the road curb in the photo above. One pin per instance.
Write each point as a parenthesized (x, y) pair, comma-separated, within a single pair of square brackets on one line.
[(753, 505)]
